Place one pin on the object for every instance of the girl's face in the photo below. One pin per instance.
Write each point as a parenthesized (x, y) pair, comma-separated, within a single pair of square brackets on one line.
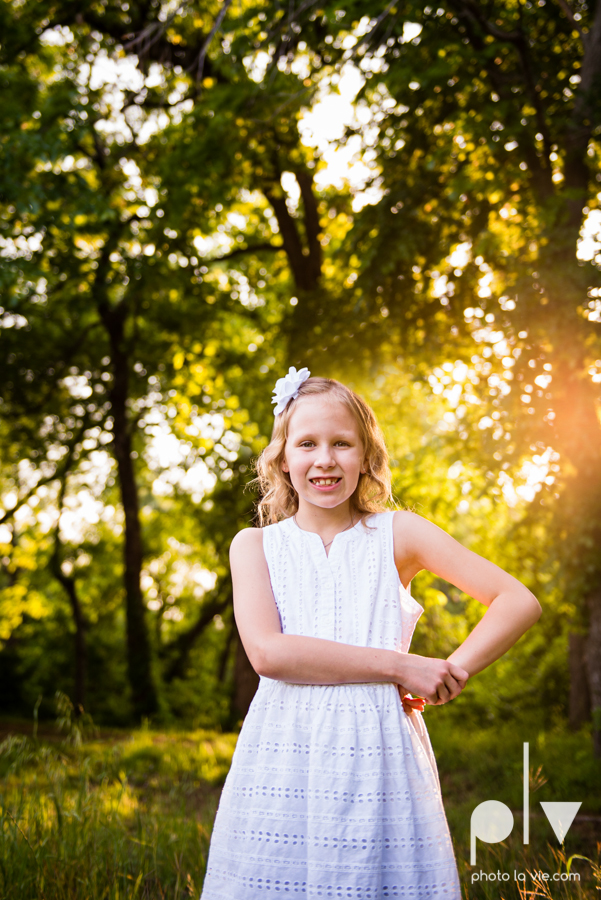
[(324, 452)]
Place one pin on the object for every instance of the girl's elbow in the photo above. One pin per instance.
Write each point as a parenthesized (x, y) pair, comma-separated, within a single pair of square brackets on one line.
[(261, 659), (536, 608), (257, 660), (262, 668)]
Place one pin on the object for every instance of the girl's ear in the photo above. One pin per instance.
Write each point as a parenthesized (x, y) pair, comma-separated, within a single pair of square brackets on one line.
[(285, 466)]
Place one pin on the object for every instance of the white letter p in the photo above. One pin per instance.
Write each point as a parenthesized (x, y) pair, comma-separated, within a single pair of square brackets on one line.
[(492, 821)]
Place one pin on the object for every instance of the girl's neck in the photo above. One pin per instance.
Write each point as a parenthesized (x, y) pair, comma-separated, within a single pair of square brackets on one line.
[(325, 521)]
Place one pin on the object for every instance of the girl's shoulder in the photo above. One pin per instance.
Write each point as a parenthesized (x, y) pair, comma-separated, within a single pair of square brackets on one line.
[(410, 528), (253, 537), (247, 539), (406, 518)]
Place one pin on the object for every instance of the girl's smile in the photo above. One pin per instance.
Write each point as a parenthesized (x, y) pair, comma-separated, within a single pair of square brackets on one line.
[(325, 484)]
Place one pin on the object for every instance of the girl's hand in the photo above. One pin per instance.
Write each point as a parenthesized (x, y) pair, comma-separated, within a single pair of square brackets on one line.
[(411, 703), (436, 680)]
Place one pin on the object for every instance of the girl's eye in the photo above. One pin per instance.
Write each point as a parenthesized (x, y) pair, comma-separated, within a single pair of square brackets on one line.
[(310, 444)]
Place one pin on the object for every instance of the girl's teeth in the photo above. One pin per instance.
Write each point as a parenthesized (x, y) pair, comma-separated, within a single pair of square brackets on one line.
[(326, 481)]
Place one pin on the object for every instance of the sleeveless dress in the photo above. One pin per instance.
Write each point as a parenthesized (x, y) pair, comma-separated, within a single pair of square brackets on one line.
[(333, 789)]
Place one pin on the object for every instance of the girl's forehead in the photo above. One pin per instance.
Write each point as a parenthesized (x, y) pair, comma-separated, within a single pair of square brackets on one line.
[(321, 412)]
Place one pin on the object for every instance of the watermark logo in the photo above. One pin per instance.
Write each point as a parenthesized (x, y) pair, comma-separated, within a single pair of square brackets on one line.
[(492, 821), (538, 877)]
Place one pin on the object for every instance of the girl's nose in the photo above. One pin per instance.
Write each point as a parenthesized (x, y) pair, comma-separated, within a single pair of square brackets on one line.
[(325, 458)]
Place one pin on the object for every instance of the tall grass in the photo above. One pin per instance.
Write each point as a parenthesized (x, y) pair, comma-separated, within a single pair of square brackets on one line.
[(129, 815), (549, 873), (478, 764)]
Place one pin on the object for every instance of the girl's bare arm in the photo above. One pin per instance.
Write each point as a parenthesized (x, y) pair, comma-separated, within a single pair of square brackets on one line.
[(512, 608), (307, 660)]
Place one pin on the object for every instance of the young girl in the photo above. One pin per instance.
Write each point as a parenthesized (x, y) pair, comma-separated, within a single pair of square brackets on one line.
[(333, 789)]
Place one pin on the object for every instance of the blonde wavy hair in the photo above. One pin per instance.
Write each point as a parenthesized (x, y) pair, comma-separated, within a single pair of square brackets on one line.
[(279, 500)]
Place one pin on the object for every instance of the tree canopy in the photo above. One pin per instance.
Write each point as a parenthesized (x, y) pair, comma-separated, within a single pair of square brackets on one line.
[(195, 196)]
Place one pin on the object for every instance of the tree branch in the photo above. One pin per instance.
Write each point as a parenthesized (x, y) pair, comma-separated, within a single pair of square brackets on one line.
[(9, 513), (184, 642), (212, 33), (474, 9), (152, 33), (290, 21), (367, 37), (59, 472), (255, 248), (570, 16), (473, 16)]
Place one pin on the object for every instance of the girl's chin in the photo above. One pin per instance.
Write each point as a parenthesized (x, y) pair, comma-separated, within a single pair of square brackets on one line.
[(325, 500)]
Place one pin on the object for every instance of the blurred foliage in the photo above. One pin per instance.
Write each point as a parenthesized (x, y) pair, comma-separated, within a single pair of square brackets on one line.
[(171, 242)]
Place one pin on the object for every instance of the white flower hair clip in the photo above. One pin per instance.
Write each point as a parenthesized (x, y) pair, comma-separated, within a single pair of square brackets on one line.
[(287, 388)]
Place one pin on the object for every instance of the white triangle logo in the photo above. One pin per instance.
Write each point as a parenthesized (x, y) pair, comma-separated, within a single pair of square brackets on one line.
[(560, 815)]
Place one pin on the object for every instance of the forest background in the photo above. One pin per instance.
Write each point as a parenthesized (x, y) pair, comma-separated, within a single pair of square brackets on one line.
[(196, 195)]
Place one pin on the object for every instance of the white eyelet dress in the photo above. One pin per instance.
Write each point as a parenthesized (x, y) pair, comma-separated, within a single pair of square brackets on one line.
[(333, 789)]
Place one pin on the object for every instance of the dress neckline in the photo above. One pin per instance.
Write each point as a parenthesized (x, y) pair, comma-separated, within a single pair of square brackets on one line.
[(331, 551), (347, 533)]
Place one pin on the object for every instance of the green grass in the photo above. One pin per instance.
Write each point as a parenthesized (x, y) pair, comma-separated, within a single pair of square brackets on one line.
[(487, 764), (129, 814), (125, 817)]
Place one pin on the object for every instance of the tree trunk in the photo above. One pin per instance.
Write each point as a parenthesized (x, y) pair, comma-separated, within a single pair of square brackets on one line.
[(578, 439), (298, 256), (68, 584), (246, 681), (584, 117), (580, 700), (139, 658), (81, 654), (312, 226), (226, 652), (144, 694), (304, 259), (593, 666)]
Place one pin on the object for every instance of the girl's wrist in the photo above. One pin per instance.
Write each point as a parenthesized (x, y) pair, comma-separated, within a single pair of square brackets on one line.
[(398, 668)]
